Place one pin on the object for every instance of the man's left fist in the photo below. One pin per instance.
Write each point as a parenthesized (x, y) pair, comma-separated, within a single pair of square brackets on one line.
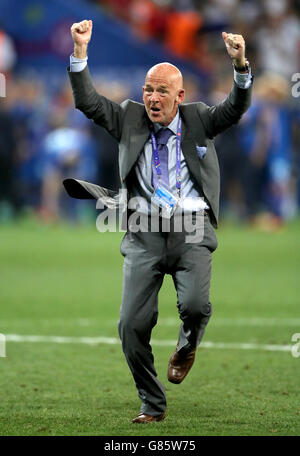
[(235, 45)]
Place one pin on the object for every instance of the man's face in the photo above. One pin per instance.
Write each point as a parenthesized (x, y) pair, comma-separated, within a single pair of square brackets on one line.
[(162, 93)]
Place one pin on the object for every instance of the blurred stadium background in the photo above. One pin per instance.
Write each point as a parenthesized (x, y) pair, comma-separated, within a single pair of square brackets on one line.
[(59, 279), (46, 138)]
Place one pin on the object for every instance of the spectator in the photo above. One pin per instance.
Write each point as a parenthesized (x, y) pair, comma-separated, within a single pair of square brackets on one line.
[(8, 56), (181, 33), (66, 151), (147, 19), (266, 140), (278, 40)]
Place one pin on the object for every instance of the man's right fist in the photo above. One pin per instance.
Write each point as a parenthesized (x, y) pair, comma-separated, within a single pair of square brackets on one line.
[(82, 32)]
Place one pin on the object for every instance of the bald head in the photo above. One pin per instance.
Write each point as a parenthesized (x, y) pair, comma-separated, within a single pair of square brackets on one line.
[(168, 72), (163, 92)]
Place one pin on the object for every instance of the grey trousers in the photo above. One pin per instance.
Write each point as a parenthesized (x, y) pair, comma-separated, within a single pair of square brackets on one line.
[(148, 256)]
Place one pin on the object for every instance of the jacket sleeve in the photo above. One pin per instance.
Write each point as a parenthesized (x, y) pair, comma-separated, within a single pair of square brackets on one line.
[(217, 118), (104, 112)]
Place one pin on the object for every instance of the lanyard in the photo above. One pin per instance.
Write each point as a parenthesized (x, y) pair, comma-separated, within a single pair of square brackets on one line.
[(178, 155)]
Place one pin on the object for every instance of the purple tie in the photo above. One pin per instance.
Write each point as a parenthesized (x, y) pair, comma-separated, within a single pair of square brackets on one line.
[(162, 137)]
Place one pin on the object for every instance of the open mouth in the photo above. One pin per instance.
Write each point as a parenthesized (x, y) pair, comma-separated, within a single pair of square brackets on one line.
[(154, 109)]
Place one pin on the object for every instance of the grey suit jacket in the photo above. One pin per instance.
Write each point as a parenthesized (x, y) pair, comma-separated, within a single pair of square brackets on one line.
[(129, 124)]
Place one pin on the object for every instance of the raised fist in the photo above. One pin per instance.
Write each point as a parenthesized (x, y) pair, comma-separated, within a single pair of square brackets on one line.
[(235, 45), (82, 32)]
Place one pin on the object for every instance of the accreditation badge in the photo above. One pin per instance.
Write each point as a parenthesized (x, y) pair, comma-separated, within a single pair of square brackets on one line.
[(163, 198)]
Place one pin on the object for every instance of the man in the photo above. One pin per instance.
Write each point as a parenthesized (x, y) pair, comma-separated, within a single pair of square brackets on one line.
[(184, 162)]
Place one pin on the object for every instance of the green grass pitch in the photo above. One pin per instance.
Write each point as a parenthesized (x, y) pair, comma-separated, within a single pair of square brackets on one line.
[(66, 281)]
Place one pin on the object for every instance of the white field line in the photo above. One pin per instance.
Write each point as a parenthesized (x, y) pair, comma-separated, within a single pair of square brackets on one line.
[(159, 343), (172, 321)]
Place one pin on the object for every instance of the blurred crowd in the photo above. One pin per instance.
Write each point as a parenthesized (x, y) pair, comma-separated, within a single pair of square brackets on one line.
[(44, 139)]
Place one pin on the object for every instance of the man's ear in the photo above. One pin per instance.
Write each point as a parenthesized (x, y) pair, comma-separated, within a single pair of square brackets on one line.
[(180, 96)]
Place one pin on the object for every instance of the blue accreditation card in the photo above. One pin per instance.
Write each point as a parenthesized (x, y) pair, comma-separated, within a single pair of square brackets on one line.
[(162, 197)]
